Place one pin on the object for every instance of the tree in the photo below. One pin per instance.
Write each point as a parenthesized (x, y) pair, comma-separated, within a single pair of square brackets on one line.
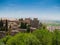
[(6, 26), (1, 43), (42, 26), (9, 31), (5, 39), (28, 28), (44, 36), (56, 37), (23, 25), (23, 39), (1, 25)]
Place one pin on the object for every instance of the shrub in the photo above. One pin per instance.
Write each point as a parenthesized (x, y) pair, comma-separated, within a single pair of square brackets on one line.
[(56, 37), (5, 39), (23, 39), (1, 43), (44, 36)]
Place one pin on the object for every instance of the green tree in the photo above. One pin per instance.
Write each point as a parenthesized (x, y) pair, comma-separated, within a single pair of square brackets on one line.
[(42, 26), (23, 39), (23, 25), (1, 25), (56, 37), (28, 28), (5, 39), (6, 25), (44, 36), (1, 43)]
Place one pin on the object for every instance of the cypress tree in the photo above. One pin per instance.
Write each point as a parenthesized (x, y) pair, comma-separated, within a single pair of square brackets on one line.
[(22, 25), (1, 24), (6, 26), (25, 25)]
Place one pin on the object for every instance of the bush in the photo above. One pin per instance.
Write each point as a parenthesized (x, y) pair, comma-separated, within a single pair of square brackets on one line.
[(1, 43), (56, 37), (5, 39), (44, 36), (23, 39), (38, 37)]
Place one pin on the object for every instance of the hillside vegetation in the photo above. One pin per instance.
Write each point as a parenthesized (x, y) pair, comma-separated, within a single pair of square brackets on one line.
[(38, 37)]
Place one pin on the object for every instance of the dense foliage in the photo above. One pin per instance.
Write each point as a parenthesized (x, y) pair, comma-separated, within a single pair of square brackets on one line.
[(56, 37), (2, 26), (5, 39), (23, 25), (44, 36), (38, 37), (23, 39)]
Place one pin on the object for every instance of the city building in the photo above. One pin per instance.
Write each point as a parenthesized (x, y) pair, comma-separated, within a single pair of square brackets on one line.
[(52, 28)]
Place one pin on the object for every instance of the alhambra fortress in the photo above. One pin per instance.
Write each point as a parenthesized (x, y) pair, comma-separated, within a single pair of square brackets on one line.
[(13, 26)]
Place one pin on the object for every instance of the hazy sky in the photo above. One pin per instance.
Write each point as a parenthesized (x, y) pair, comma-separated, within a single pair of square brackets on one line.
[(43, 9)]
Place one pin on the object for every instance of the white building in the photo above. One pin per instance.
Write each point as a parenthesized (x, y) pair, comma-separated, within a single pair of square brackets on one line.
[(52, 28)]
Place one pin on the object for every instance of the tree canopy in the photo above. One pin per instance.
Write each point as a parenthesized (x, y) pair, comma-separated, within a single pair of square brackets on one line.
[(23, 39)]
